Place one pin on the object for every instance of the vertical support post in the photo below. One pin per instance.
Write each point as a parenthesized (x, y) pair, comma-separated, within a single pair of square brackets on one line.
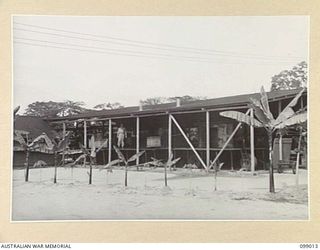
[(252, 142), (169, 136), (231, 160), (63, 136), (85, 134), (280, 137), (208, 138), (138, 138), (110, 141)]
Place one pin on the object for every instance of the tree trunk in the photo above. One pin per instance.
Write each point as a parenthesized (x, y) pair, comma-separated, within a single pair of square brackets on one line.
[(298, 159), (27, 165), (55, 168), (271, 178), (165, 175), (126, 175), (90, 172)]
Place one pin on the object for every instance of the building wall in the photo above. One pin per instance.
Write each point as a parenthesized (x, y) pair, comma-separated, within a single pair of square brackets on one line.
[(19, 158)]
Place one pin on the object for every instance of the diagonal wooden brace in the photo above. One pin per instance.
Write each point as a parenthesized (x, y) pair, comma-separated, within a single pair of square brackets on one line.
[(227, 142), (188, 141)]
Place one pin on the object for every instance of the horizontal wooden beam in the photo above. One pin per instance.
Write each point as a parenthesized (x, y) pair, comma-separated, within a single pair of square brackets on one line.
[(165, 113)]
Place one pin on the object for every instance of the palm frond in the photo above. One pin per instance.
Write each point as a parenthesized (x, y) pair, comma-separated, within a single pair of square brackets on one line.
[(295, 119), (92, 147), (44, 137), (83, 149), (19, 138), (241, 117), (81, 157), (62, 145), (135, 156), (265, 104), (173, 162), (170, 158), (259, 112), (39, 163), (288, 111), (120, 155), (110, 164)]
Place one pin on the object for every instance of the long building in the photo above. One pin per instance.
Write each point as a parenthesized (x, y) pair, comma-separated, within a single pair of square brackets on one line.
[(193, 131)]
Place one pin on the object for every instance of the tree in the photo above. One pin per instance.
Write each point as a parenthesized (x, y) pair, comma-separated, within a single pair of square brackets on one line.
[(186, 98), (291, 79), (265, 119), (154, 101), (160, 100), (54, 109), (108, 106)]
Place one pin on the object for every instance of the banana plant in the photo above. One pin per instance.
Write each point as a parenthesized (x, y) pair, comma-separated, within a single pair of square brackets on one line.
[(170, 162), (216, 168), (126, 162), (28, 147), (91, 154), (264, 119), (58, 148)]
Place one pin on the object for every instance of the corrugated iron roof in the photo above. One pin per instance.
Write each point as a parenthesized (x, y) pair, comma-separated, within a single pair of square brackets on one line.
[(221, 102), (34, 125)]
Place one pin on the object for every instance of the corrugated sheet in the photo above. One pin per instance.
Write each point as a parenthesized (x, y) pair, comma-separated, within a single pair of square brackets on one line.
[(34, 125)]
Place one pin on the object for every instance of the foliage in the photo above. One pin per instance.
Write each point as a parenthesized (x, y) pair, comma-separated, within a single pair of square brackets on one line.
[(123, 159), (54, 109), (108, 106), (291, 79), (31, 146), (160, 100), (264, 118), (92, 153)]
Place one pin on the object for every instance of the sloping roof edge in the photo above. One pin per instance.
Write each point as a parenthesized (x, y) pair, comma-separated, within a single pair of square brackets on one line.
[(220, 102)]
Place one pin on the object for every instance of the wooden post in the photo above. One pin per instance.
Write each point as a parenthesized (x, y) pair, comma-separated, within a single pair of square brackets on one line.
[(208, 138), (63, 136), (231, 160), (169, 136), (138, 138), (110, 141), (280, 137), (188, 141), (227, 142), (298, 158), (252, 142), (85, 134)]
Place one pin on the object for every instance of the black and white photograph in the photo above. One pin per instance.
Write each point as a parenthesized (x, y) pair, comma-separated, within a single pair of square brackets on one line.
[(160, 118)]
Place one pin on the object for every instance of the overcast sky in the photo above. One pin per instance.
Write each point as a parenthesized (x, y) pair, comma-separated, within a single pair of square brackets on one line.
[(126, 59)]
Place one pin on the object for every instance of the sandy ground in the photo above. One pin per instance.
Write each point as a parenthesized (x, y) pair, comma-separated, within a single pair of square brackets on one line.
[(190, 195)]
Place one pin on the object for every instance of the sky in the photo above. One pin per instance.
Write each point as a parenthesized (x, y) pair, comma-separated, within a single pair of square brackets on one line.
[(130, 58)]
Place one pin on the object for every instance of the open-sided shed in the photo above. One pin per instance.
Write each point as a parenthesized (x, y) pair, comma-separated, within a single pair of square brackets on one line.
[(193, 130)]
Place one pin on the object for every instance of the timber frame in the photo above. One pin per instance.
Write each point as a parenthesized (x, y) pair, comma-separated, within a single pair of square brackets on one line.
[(173, 119)]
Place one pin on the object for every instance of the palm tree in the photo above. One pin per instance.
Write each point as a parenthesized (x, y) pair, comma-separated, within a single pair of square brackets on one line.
[(264, 119)]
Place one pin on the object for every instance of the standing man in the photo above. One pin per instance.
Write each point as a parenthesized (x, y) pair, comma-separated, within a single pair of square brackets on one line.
[(121, 134)]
